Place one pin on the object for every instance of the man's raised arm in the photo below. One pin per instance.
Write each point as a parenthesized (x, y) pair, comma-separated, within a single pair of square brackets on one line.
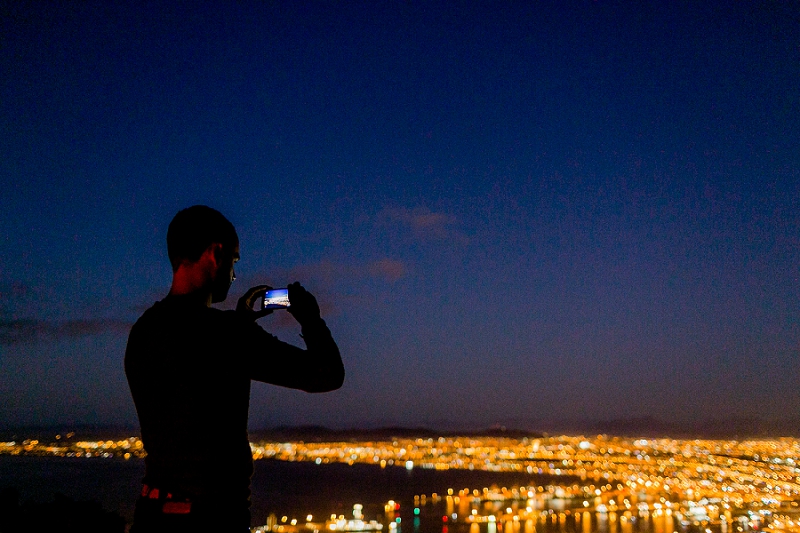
[(319, 368)]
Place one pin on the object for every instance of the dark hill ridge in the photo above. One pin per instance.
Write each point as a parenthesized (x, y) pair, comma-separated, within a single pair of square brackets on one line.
[(78, 431), (323, 434), (721, 428)]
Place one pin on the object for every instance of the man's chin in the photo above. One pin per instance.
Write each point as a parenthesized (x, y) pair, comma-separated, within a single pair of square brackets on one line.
[(218, 297)]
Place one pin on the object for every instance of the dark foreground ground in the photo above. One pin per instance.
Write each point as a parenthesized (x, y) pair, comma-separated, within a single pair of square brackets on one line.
[(98, 490)]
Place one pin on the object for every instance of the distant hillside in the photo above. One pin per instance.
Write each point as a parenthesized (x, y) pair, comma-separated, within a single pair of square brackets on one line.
[(84, 432), (323, 434), (722, 428)]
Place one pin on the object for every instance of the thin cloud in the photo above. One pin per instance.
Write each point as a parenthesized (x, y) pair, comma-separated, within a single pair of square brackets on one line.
[(424, 223), (28, 331), (389, 269), (331, 274)]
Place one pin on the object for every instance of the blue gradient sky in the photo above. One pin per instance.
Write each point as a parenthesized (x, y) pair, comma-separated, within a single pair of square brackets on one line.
[(507, 211)]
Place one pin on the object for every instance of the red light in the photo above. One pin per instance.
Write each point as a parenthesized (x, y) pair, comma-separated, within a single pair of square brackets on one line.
[(444, 518), (397, 507)]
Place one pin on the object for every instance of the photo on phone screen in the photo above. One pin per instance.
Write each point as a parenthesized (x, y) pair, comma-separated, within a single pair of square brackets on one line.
[(276, 299)]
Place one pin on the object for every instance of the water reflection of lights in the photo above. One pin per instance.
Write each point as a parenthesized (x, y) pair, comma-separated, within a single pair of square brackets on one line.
[(617, 511), (577, 508)]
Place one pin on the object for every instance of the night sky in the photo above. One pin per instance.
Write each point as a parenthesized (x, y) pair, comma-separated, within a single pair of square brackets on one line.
[(509, 211)]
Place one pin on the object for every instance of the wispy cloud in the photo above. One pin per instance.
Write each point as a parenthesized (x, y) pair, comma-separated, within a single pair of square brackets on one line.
[(424, 223), (389, 269), (330, 273), (27, 331)]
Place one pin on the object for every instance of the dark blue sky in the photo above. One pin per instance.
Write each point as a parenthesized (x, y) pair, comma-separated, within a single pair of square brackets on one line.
[(508, 211)]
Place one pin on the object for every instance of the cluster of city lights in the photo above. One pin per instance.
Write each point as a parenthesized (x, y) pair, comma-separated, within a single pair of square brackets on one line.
[(737, 471), (737, 485), (63, 446)]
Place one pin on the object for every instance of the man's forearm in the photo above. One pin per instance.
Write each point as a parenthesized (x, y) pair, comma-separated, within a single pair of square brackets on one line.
[(325, 367)]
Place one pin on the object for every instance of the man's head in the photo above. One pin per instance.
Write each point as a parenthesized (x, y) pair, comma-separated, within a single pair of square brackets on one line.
[(201, 238)]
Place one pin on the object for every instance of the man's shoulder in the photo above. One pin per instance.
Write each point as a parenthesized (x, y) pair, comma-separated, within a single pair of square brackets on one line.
[(169, 324), (168, 312), (154, 312)]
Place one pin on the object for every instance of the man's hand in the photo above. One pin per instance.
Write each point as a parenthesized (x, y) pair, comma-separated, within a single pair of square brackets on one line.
[(302, 304), (245, 305)]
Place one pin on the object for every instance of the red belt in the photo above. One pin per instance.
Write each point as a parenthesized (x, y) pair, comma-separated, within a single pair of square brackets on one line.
[(171, 505)]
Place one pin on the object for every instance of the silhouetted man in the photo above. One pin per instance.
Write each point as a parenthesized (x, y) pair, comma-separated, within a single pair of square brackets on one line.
[(189, 367)]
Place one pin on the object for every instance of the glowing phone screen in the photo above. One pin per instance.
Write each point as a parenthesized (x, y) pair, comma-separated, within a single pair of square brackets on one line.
[(276, 299)]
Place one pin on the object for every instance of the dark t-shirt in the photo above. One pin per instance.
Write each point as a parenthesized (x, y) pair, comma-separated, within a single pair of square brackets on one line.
[(189, 369)]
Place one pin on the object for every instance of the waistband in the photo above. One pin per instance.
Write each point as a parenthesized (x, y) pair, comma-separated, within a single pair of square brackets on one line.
[(172, 503)]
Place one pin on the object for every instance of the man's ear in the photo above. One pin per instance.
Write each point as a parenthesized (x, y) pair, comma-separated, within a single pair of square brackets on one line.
[(214, 253), (218, 251)]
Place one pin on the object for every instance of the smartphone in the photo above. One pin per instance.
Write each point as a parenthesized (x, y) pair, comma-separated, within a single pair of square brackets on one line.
[(276, 299)]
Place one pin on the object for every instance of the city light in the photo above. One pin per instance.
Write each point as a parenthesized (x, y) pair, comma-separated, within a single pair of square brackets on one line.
[(744, 484)]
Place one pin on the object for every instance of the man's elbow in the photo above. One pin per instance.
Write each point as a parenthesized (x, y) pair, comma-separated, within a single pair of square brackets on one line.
[(327, 383)]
